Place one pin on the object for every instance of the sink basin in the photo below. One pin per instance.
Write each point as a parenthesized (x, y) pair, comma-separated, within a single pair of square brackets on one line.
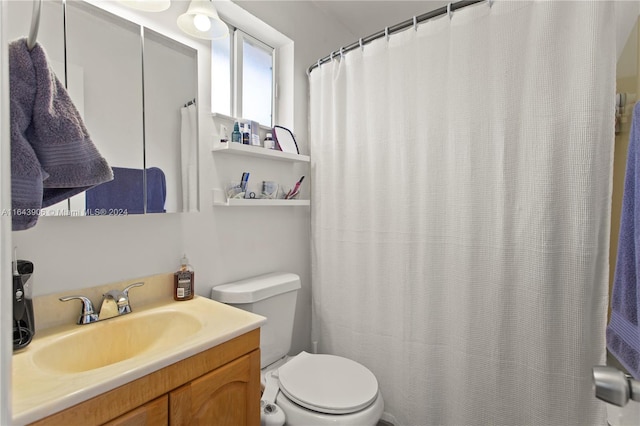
[(104, 343), (69, 364)]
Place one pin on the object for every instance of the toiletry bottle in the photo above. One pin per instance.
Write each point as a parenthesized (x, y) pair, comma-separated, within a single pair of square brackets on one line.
[(268, 142), (183, 281), (246, 134), (236, 136)]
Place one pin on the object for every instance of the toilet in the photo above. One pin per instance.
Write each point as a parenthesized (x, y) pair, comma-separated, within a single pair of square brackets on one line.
[(310, 389)]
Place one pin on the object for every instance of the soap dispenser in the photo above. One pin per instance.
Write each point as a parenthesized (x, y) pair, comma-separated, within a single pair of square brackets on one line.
[(183, 281)]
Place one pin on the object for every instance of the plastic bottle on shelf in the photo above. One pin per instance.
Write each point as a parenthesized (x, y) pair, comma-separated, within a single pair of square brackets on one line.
[(246, 134), (236, 136), (269, 143)]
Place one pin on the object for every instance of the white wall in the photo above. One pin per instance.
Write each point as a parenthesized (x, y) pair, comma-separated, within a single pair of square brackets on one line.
[(233, 243), (223, 244)]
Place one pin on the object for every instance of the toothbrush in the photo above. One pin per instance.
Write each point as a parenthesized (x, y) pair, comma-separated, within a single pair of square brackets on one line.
[(244, 185), (243, 181), (292, 193)]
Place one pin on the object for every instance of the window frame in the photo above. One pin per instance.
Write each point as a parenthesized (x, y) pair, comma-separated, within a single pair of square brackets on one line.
[(236, 83)]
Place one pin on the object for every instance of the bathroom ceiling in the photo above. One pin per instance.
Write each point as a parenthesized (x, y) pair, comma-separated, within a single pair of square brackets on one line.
[(365, 17)]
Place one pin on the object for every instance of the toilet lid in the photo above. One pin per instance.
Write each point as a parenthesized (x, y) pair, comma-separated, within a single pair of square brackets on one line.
[(327, 383)]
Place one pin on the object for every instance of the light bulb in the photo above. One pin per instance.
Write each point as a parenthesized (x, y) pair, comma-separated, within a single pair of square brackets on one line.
[(202, 23)]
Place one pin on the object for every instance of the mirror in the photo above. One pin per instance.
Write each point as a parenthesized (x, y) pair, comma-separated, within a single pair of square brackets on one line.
[(132, 86), (170, 81)]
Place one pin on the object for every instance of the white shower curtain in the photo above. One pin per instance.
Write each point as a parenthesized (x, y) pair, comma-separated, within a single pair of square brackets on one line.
[(461, 206)]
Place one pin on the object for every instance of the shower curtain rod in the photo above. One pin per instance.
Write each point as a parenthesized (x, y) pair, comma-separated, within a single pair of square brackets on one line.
[(448, 9)]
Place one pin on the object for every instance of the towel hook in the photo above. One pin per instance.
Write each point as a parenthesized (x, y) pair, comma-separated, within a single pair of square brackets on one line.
[(449, 12), (35, 24)]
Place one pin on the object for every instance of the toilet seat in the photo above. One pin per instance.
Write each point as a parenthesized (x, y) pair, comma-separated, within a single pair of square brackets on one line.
[(327, 384)]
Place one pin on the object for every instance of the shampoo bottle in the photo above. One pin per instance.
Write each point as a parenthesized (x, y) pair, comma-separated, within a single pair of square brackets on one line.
[(183, 288)]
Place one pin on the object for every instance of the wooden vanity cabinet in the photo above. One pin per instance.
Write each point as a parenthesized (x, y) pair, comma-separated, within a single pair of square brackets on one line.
[(223, 397), (219, 386), (155, 412)]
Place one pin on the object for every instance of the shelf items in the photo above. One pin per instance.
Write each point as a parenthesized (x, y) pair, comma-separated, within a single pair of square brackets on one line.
[(219, 198)]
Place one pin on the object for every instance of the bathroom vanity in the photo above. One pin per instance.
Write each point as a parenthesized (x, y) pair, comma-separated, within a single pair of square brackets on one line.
[(220, 386), (172, 363)]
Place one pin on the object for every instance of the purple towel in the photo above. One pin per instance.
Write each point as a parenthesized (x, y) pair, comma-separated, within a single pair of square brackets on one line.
[(623, 331), (52, 155), (124, 193)]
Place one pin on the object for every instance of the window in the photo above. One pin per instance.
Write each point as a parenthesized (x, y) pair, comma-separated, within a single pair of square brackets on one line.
[(242, 74), (221, 72)]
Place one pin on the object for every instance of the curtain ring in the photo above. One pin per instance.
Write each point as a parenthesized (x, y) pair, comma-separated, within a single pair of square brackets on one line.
[(449, 12), (490, 4), (331, 56), (415, 23), (361, 44), (386, 32), (341, 52), (319, 63)]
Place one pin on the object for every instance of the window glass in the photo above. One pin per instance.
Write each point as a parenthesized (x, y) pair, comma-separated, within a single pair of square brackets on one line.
[(257, 81), (221, 75)]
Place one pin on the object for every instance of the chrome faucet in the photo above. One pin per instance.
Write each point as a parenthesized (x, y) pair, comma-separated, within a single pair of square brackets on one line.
[(114, 303)]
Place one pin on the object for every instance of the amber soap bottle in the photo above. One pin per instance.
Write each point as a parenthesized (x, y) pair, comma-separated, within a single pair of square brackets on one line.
[(183, 281)]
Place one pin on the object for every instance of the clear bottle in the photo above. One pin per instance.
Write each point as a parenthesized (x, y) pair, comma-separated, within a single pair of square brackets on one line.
[(183, 281), (269, 142)]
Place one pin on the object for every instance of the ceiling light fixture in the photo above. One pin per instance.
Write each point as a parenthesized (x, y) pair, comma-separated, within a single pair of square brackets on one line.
[(201, 20), (147, 5)]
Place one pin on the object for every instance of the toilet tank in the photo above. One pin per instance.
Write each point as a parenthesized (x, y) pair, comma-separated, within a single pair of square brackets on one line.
[(272, 296)]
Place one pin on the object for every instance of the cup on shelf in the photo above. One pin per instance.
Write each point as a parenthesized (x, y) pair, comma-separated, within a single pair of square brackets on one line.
[(234, 190), (270, 190)]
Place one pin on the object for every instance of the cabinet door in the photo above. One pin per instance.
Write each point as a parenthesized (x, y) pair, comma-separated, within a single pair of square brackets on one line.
[(154, 413), (228, 396)]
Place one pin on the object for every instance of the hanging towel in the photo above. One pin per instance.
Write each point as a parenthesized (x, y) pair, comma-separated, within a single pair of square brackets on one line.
[(156, 190), (123, 195), (52, 155), (623, 331), (189, 157)]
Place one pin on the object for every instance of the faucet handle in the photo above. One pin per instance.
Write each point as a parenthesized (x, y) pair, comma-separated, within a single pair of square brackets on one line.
[(127, 308), (87, 315), (129, 287)]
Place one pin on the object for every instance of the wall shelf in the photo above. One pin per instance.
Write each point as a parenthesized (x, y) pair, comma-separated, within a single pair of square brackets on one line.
[(257, 151), (241, 202)]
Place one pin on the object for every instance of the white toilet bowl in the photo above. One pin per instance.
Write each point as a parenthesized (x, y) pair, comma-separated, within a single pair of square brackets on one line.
[(318, 390), (311, 389)]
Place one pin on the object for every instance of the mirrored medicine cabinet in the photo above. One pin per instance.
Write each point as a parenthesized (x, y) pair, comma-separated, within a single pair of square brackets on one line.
[(136, 91)]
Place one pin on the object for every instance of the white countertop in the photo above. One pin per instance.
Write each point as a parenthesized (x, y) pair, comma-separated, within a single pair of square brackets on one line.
[(38, 391)]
